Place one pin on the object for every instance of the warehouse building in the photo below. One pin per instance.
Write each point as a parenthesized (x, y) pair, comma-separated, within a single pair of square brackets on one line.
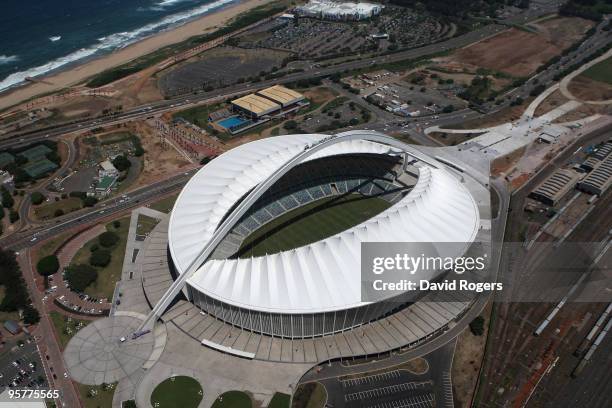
[(281, 95), (555, 187), (599, 179), (255, 106)]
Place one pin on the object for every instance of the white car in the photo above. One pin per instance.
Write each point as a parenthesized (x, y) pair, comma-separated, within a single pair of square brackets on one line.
[(33, 239)]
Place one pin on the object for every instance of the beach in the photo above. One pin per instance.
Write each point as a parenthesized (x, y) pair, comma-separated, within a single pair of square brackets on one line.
[(78, 74)]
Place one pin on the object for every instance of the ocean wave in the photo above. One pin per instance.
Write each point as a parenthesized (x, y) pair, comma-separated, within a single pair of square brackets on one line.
[(108, 43), (166, 3), (7, 59)]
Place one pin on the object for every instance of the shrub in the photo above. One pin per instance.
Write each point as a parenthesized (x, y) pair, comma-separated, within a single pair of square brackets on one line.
[(7, 199), (13, 216), (58, 213), (94, 248), (290, 125), (477, 326), (37, 198), (122, 163), (108, 239), (48, 265), (100, 258), (80, 276), (116, 224), (90, 201)]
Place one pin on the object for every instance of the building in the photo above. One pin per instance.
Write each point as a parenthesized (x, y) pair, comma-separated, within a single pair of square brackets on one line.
[(312, 289), (281, 95), (599, 179), (5, 177), (108, 169), (603, 151), (343, 11), (104, 185), (555, 187), (12, 327), (255, 106)]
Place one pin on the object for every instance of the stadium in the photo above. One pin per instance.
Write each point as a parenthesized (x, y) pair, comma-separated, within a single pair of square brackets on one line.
[(267, 236)]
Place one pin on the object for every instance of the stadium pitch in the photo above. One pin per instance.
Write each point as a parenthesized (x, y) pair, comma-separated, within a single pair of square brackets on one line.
[(311, 223)]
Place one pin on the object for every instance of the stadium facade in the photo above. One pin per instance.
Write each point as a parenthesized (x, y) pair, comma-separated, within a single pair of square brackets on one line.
[(305, 289)]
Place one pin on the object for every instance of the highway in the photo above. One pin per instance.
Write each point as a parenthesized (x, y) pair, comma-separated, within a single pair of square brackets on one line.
[(104, 210)]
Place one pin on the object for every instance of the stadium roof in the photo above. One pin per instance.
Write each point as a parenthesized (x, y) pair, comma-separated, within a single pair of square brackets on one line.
[(282, 95), (256, 104), (322, 276)]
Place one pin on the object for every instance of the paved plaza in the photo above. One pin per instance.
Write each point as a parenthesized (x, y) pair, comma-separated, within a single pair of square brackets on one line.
[(95, 355)]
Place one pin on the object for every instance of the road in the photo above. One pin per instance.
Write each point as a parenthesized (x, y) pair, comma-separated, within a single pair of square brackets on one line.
[(136, 198), (48, 343), (222, 94)]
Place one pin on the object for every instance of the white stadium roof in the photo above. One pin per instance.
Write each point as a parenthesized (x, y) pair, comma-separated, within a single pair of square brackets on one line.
[(322, 276)]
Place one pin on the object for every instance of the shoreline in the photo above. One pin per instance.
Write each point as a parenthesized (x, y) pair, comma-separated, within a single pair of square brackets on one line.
[(79, 73)]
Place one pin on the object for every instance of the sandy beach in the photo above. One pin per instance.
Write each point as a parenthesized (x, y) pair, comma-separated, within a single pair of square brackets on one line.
[(78, 74)]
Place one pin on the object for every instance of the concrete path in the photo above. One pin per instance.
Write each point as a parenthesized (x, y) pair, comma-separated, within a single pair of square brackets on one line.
[(564, 85)]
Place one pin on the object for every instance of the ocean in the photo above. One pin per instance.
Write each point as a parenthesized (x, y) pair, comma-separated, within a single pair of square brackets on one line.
[(40, 36)]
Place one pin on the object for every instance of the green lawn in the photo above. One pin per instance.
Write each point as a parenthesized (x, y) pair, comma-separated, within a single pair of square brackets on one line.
[(310, 223), (97, 396), (165, 204), (177, 392), (66, 327), (51, 245), (310, 395), (280, 400), (233, 399), (67, 205), (145, 224), (601, 72), (104, 286)]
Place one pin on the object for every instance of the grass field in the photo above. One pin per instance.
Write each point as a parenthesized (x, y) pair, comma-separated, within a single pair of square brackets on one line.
[(66, 328), (601, 72), (145, 224), (104, 286), (183, 392), (233, 399), (165, 204), (103, 395), (311, 223), (67, 205), (280, 400), (310, 395)]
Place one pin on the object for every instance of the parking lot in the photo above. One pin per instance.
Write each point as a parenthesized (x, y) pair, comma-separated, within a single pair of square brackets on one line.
[(21, 366)]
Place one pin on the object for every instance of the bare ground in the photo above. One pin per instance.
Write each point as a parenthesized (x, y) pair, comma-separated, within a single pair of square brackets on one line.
[(587, 89), (519, 53)]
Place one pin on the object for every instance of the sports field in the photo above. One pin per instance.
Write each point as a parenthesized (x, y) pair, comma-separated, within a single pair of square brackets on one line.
[(311, 223)]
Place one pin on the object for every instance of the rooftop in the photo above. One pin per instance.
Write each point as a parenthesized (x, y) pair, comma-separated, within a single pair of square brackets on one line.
[(256, 104)]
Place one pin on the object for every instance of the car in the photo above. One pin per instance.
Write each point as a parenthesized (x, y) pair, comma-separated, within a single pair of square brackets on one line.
[(33, 239), (65, 375), (122, 339)]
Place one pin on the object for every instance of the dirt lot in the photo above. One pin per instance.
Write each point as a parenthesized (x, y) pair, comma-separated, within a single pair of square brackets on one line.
[(519, 53), (467, 362), (587, 89), (553, 101), (159, 162)]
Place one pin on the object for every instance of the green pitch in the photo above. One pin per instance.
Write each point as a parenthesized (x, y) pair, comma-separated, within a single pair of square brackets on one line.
[(183, 392), (311, 223)]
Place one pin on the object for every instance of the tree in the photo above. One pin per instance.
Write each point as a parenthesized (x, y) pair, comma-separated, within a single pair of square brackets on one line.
[(100, 258), (290, 125), (448, 109), (477, 326), (13, 216), (7, 199), (48, 265), (108, 239), (37, 198), (90, 201), (58, 213), (81, 276), (129, 404), (116, 224), (121, 162), (30, 315)]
